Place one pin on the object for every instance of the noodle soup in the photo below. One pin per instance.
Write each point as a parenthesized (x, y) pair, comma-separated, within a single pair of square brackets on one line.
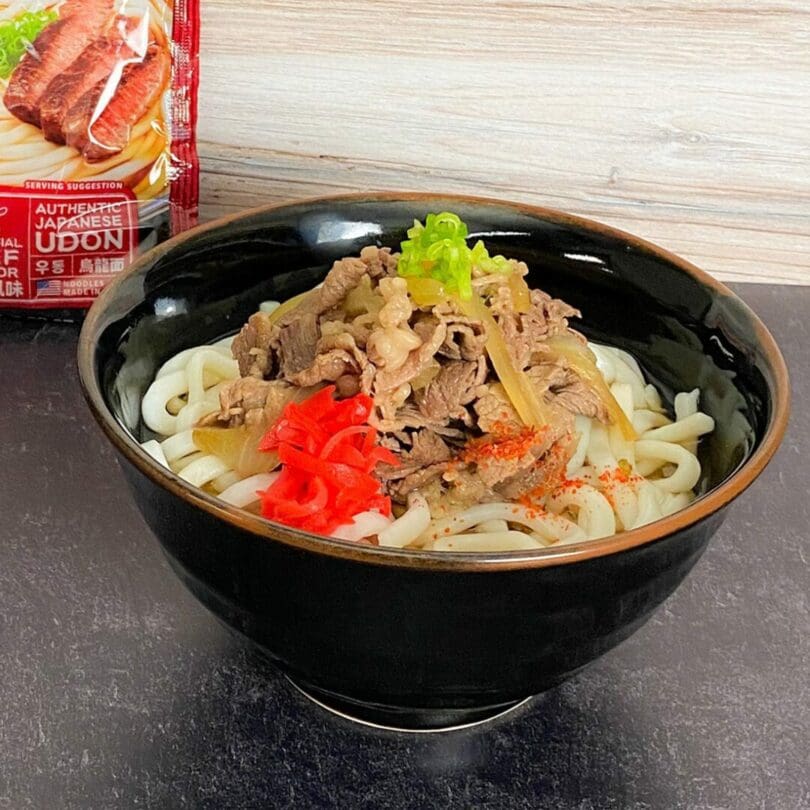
[(428, 400)]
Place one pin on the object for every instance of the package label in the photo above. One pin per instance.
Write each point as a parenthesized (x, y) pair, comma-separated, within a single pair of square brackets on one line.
[(97, 150), (61, 245)]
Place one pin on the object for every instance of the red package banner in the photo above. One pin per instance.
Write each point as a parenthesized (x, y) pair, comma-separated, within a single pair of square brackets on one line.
[(60, 244), (97, 148)]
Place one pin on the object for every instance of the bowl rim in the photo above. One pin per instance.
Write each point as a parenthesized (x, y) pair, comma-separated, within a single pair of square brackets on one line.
[(701, 509)]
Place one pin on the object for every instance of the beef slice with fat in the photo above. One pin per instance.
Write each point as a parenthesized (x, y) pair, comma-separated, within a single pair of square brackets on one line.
[(101, 59), (100, 124)]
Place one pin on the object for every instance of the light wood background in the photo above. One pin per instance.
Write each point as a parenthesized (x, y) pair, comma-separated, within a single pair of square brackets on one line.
[(685, 121)]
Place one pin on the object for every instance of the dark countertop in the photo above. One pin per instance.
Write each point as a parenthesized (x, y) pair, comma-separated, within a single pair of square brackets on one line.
[(119, 690)]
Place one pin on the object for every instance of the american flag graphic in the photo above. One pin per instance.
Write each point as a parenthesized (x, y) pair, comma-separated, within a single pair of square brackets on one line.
[(49, 287)]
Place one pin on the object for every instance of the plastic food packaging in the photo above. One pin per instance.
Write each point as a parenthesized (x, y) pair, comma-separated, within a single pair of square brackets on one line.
[(98, 159)]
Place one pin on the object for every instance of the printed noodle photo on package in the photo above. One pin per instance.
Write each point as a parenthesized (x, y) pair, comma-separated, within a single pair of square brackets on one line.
[(97, 154)]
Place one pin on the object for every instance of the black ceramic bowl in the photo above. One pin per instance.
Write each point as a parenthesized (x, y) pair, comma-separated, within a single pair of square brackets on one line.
[(431, 638)]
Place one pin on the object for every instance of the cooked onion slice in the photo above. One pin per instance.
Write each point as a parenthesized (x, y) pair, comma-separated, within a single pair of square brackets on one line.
[(582, 361), (426, 292), (521, 295), (237, 447), (517, 385), (289, 305)]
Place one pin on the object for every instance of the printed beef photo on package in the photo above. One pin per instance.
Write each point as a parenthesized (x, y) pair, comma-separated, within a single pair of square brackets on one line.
[(97, 153)]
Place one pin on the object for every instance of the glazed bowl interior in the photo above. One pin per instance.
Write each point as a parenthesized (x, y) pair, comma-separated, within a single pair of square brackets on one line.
[(686, 330)]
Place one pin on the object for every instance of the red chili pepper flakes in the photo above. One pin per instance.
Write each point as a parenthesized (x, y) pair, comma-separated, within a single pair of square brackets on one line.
[(533, 509), (614, 476), (573, 484), (533, 498), (622, 474), (504, 443), (328, 452), (617, 476)]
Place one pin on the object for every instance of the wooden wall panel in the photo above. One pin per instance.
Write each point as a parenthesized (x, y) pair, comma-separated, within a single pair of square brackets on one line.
[(685, 122)]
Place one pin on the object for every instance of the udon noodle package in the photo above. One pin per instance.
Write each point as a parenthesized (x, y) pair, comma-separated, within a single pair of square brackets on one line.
[(97, 151)]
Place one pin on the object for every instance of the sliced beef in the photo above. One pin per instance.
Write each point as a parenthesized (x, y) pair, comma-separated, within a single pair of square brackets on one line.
[(578, 398), (427, 450), (261, 347), (458, 488), (426, 461), (432, 333), (124, 42), (102, 133), (545, 474), (379, 261), (347, 385), (454, 387), (80, 23), (501, 468), (31, 76), (327, 367), (510, 465), (494, 410), (253, 347), (548, 316), (401, 488), (561, 386), (525, 332), (408, 418), (465, 338), (248, 400), (360, 332), (344, 276), (554, 382), (550, 375), (298, 351), (297, 344), (256, 344), (337, 356)]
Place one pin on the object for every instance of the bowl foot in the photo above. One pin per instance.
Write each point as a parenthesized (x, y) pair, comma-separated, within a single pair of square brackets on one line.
[(398, 718)]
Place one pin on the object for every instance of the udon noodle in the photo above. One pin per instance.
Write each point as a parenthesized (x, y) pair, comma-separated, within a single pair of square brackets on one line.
[(429, 400), (663, 459), (142, 164)]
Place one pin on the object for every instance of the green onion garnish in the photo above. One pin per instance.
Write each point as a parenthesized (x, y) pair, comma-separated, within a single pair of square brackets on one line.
[(438, 250), (17, 35)]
